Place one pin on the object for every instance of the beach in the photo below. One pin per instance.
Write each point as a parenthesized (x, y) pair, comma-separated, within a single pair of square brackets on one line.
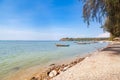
[(100, 65), (60, 40)]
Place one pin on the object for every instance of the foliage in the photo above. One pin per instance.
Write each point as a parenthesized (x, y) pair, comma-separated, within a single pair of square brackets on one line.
[(83, 39), (101, 9)]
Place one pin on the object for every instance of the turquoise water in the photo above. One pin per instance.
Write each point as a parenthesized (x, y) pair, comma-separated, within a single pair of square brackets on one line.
[(15, 55)]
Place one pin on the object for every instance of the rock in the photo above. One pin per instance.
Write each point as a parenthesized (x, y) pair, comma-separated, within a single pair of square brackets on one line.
[(65, 68), (86, 57), (52, 64), (63, 64), (53, 73), (60, 70), (75, 62), (34, 78), (81, 59)]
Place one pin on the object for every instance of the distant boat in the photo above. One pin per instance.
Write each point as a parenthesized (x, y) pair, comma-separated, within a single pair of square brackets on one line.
[(90, 42), (101, 41), (95, 41), (83, 42), (62, 45)]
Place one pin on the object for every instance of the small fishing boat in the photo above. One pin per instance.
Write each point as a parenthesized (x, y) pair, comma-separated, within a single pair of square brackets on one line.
[(62, 45)]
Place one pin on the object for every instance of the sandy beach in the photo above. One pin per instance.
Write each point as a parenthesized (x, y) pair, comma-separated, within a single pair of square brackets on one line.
[(60, 40), (102, 65)]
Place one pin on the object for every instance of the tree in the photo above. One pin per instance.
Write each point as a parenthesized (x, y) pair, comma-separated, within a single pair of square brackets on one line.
[(103, 9)]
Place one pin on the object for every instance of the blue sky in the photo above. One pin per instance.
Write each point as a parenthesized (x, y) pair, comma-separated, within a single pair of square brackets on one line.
[(44, 20)]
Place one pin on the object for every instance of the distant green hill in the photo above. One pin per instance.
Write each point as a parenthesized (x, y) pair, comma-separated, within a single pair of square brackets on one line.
[(83, 39)]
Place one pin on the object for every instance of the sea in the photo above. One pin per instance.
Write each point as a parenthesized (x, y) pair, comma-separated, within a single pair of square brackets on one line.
[(15, 55)]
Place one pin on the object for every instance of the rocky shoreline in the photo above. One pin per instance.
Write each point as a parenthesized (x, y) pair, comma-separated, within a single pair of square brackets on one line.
[(55, 70)]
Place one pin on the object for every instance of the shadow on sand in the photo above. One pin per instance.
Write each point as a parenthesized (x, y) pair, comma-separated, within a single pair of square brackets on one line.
[(114, 48)]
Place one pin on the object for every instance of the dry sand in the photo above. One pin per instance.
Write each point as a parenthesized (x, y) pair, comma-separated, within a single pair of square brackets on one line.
[(102, 65)]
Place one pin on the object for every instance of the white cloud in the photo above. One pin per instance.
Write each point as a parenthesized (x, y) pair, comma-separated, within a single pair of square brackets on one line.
[(106, 34)]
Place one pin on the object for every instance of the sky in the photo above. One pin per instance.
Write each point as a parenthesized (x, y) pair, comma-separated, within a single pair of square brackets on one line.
[(45, 20)]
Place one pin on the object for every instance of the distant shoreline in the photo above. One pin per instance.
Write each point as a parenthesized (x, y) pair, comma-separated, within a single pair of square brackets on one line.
[(84, 39)]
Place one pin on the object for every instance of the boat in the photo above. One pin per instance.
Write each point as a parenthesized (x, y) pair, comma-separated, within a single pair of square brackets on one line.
[(62, 45), (101, 41), (89, 42), (83, 42)]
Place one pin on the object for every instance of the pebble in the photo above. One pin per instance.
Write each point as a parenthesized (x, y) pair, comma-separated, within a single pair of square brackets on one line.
[(34, 78)]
